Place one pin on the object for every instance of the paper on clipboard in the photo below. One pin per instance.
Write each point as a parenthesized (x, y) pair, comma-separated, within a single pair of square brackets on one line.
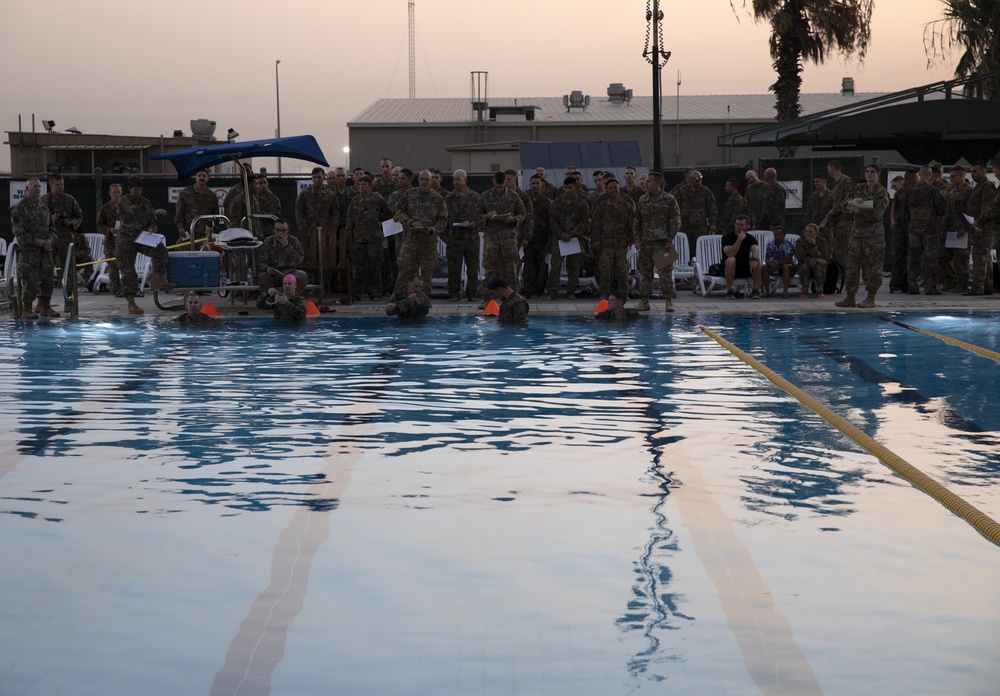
[(150, 239), (662, 259), (953, 241), (569, 248), (391, 227), (969, 219)]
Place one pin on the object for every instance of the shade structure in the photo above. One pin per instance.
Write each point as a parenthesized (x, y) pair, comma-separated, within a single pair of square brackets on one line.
[(193, 159)]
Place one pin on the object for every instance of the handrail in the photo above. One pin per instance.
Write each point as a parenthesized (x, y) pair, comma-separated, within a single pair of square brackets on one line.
[(10, 264), (71, 297), (211, 228)]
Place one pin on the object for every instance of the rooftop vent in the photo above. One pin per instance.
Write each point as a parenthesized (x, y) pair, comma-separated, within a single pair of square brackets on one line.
[(847, 87), (575, 102), (617, 94), (512, 113)]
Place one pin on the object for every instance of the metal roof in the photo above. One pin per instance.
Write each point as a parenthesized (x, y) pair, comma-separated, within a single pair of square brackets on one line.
[(550, 110)]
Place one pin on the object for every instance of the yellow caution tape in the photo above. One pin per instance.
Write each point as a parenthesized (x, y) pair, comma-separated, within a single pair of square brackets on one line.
[(982, 522), (112, 258)]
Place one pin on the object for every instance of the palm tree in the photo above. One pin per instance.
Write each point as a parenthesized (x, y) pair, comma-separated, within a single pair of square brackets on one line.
[(975, 26), (804, 30)]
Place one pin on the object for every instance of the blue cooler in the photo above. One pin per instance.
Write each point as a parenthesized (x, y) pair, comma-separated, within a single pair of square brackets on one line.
[(194, 269)]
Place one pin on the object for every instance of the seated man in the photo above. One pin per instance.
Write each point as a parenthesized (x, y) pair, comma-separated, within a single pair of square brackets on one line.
[(410, 302), (812, 251), (278, 256), (779, 260), (617, 311), (742, 257), (513, 307), (288, 304), (192, 311)]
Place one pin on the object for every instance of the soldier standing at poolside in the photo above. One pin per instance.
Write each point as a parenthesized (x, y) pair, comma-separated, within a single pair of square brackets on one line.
[(139, 217), (501, 214), (192, 202), (698, 209), (265, 203), (818, 209), (393, 244), (109, 218), (385, 182), (279, 255), (867, 247), (34, 232), (612, 234), (67, 217), (315, 208), (657, 221), (735, 206), (925, 210), (535, 270), (364, 219), (955, 262), (569, 219), (525, 230), (899, 218), (423, 215), (772, 201), (754, 197), (462, 237), (631, 189), (840, 217), (981, 238)]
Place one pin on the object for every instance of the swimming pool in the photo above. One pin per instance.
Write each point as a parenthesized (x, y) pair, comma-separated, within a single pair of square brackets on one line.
[(365, 507)]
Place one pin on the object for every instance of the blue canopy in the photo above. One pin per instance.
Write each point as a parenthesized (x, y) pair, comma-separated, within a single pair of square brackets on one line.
[(194, 159)]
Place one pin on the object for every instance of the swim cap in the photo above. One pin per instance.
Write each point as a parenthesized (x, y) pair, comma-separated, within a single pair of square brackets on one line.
[(290, 278)]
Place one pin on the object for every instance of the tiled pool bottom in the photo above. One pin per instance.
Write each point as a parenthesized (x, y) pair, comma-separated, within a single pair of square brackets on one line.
[(366, 508)]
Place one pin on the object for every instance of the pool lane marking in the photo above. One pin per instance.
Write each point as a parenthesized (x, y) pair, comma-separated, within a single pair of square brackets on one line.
[(982, 522), (971, 347)]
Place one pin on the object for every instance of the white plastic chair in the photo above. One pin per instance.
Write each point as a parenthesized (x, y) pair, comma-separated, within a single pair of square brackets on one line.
[(708, 251), (683, 268)]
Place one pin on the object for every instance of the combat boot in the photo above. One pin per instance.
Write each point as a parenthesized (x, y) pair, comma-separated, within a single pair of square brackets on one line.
[(133, 308), (160, 282), (669, 306), (26, 311), (848, 301), (868, 302), (643, 305), (47, 310)]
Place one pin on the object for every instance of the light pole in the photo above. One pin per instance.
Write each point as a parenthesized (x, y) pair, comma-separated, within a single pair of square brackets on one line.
[(277, 99)]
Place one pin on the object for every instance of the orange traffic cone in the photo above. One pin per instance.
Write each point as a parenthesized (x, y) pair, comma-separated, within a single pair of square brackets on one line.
[(491, 309), (601, 306), (311, 309), (208, 309)]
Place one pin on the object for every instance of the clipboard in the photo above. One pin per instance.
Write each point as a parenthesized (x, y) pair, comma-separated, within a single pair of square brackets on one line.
[(662, 259)]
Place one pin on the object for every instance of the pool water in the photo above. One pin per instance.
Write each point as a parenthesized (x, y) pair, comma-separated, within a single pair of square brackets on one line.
[(371, 507)]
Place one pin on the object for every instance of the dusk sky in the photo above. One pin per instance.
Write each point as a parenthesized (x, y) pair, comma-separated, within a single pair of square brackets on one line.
[(149, 68)]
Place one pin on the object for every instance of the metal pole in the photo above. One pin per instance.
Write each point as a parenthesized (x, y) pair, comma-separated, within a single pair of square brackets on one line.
[(277, 100), (657, 117)]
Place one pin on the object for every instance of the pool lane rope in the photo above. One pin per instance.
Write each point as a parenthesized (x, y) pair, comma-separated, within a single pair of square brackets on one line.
[(982, 522), (971, 347)]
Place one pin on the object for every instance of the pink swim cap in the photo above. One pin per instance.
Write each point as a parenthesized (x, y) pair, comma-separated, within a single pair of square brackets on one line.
[(290, 278)]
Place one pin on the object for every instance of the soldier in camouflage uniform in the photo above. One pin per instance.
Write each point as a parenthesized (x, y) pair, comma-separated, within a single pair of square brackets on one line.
[(955, 262), (67, 217), (772, 202), (818, 208), (365, 216), (657, 221), (925, 210), (980, 239), (278, 256), (410, 301), (535, 270), (462, 237), (812, 253), (840, 217), (194, 201), (265, 203), (139, 217), (867, 248), (735, 206), (108, 219), (500, 213), (612, 234), (315, 208), (385, 183), (287, 303), (698, 209), (568, 218), (336, 183), (424, 216), (513, 307), (754, 197), (631, 190), (525, 230), (393, 244), (34, 232)]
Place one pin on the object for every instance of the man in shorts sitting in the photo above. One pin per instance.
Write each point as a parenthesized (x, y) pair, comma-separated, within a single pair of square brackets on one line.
[(742, 258)]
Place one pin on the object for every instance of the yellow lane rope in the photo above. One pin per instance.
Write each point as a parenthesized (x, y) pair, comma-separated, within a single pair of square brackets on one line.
[(971, 347), (982, 522), (112, 258)]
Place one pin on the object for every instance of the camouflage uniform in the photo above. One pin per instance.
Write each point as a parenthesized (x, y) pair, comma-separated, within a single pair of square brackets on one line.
[(925, 209), (419, 246), (234, 204), (314, 210), (201, 319), (772, 206), (295, 310), (735, 206), (403, 307), (67, 229), (192, 203), (284, 259), (107, 216), (699, 211), (990, 221), (500, 239), (897, 278), (981, 243), (612, 234), (817, 209), (627, 315), (572, 218), (139, 215), (657, 221), (463, 243), (840, 219), (265, 204), (955, 262), (364, 225), (513, 310), (809, 269), (755, 203), (535, 270), (867, 248), (526, 228), (392, 246), (384, 188), (634, 194), (32, 223)]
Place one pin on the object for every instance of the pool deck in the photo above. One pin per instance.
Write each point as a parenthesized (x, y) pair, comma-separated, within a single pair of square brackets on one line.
[(106, 306)]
